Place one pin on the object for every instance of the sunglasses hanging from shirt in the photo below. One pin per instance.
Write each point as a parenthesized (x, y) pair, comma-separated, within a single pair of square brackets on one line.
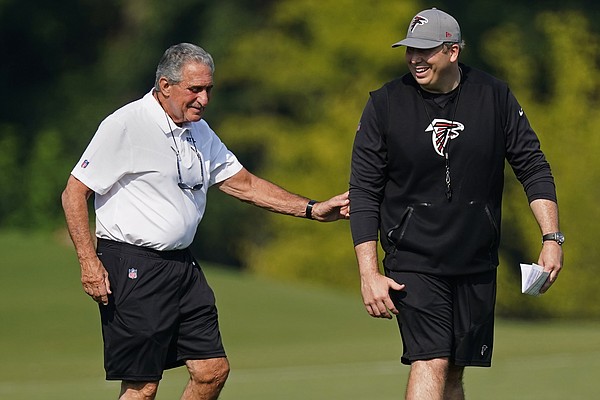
[(180, 183)]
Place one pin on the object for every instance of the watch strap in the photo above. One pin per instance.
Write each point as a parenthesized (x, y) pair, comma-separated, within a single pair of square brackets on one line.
[(555, 236), (309, 208)]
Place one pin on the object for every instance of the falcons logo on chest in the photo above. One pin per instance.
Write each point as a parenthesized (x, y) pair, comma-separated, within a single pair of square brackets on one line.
[(442, 131)]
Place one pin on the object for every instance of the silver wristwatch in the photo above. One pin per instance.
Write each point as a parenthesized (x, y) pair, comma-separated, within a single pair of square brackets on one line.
[(558, 237)]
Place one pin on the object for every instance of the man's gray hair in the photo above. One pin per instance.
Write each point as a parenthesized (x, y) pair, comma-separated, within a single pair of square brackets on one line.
[(175, 57)]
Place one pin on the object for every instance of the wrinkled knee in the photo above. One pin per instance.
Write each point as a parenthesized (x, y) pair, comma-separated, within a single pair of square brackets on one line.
[(138, 390), (213, 372)]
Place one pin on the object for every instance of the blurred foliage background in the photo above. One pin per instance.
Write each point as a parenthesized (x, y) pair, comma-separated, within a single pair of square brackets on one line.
[(292, 77)]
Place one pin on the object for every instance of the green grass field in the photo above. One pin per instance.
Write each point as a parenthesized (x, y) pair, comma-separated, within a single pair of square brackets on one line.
[(284, 341)]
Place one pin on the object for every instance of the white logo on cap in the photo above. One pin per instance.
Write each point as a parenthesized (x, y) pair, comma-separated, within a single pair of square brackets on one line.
[(418, 20)]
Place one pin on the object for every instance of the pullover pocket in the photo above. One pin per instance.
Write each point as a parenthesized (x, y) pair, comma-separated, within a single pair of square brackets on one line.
[(448, 238)]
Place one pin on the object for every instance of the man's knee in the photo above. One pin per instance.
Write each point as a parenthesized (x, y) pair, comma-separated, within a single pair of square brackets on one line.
[(138, 390), (437, 365), (212, 372), (442, 366)]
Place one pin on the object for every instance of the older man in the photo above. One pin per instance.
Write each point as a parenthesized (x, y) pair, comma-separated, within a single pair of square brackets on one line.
[(150, 165)]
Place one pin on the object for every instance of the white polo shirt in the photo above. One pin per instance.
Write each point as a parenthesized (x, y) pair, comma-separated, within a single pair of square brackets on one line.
[(131, 165)]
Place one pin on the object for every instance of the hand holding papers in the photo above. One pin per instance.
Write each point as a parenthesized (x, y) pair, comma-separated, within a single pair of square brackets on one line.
[(533, 278)]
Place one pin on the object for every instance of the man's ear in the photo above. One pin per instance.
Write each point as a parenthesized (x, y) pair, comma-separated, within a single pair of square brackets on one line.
[(164, 86), (454, 52)]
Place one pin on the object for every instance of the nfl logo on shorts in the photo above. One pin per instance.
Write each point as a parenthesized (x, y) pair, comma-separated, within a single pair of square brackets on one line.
[(132, 273)]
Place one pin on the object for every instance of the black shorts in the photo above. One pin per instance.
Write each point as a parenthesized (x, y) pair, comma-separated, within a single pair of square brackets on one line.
[(451, 316), (161, 312)]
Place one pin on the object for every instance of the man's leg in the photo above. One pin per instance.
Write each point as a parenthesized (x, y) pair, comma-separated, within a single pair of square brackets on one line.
[(427, 379), (435, 379), (454, 383), (138, 390), (207, 378)]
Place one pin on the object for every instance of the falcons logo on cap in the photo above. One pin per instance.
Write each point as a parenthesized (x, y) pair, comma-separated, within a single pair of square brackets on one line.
[(443, 130), (418, 20)]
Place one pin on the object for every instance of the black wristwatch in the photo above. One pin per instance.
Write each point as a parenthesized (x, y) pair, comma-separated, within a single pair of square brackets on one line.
[(558, 237)]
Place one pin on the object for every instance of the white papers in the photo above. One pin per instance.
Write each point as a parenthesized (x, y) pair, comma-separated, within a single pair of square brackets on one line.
[(533, 278)]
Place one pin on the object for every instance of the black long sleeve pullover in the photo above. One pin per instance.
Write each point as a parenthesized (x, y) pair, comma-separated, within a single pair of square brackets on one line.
[(427, 172)]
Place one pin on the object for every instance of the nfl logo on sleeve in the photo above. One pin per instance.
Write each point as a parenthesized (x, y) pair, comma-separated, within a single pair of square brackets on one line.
[(132, 273)]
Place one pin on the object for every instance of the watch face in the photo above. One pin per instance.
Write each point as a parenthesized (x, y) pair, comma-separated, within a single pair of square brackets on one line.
[(558, 237)]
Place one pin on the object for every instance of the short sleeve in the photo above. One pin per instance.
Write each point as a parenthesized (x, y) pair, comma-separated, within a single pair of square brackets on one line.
[(106, 159)]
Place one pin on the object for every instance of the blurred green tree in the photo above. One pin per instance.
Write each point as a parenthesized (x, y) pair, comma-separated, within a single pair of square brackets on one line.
[(11, 195), (303, 79), (564, 111)]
